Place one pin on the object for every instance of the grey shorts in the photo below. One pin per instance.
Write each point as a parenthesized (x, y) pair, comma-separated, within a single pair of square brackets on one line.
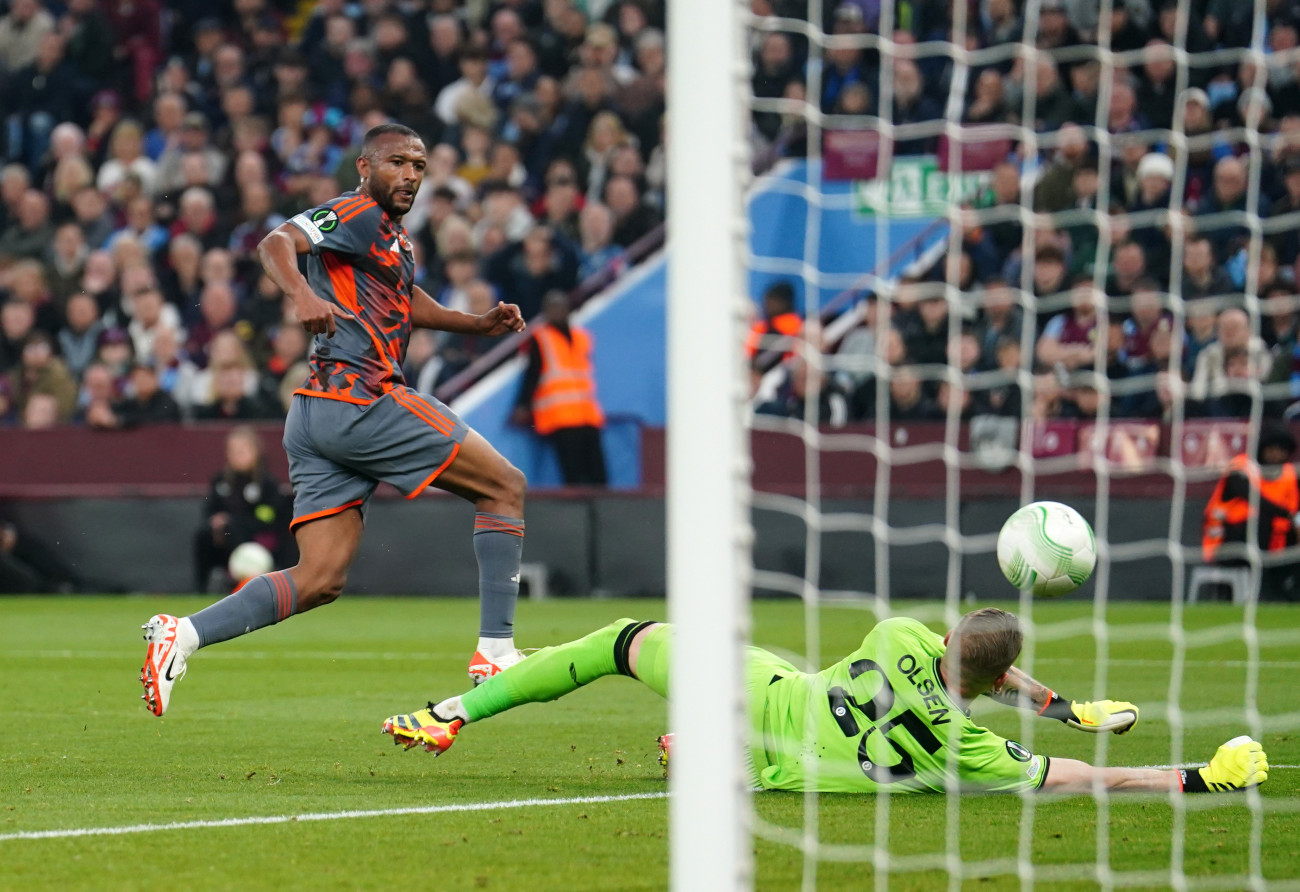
[(340, 451)]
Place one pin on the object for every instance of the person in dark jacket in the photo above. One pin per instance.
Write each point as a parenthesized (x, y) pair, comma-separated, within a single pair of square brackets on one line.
[(244, 504)]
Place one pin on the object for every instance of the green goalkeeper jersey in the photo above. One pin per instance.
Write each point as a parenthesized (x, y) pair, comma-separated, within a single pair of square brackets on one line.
[(879, 718)]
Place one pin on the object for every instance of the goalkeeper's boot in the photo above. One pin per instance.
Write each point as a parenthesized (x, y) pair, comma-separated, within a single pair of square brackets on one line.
[(423, 728), (665, 749), (482, 667), (164, 662), (1239, 763)]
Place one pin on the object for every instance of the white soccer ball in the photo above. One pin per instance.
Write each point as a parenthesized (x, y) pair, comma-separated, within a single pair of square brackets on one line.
[(1048, 548), (248, 560)]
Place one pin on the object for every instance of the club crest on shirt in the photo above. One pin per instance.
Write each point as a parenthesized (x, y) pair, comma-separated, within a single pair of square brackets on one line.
[(325, 219)]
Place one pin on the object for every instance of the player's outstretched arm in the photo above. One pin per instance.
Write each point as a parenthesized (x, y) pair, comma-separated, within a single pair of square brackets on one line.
[(279, 255), (1239, 763), (1023, 692), (428, 313)]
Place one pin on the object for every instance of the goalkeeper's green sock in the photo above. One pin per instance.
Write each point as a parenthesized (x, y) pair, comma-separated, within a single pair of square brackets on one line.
[(548, 674), (652, 661)]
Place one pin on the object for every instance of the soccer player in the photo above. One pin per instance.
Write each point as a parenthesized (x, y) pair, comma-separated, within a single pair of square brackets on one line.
[(355, 422), (892, 714)]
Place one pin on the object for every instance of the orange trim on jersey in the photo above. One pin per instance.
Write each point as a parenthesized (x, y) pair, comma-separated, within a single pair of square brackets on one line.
[(345, 288), (341, 397), (348, 203), (358, 210), (317, 515), (424, 411), (455, 450)]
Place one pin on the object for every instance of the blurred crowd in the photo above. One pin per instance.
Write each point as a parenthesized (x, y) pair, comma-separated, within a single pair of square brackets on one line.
[(1137, 257), (149, 146)]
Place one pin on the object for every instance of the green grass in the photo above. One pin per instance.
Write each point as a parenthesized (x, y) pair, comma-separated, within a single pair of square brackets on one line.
[(286, 722)]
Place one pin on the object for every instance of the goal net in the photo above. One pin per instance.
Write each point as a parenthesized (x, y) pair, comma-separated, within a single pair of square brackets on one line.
[(1003, 251)]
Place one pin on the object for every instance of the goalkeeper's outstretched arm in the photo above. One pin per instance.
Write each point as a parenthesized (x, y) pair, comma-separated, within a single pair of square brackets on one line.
[(1238, 764), (1019, 690)]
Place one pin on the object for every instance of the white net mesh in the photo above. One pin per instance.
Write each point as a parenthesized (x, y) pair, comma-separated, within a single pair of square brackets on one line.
[(1009, 251)]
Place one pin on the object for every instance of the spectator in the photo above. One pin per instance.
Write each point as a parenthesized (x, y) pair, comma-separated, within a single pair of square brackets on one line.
[(1004, 399), (192, 142), (66, 261), (795, 389), (92, 214), (17, 322), (142, 226), (42, 94), (259, 218), (78, 338), (126, 156), (198, 217), (244, 504), (1069, 340), (217, 308), (147, 402), (596, 225), (1229, 196), (1000, 317), (230, 400), (907, 399), (558, 394), (21, 33), (30, 234), (41, 412), (1139, 329), (1155, 94), (40, 372), (150, 313), (1286, 240), (1234, 338), (1202, 277), (912, 106), (634, 219), (525, 272), (28, 564), (927, 338), (473, 78)]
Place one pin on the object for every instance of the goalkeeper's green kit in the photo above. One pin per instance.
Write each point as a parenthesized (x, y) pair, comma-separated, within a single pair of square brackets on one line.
[(879, 718)]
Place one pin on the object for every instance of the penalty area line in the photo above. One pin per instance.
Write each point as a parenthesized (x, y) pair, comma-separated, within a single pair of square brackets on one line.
[(326, 816)]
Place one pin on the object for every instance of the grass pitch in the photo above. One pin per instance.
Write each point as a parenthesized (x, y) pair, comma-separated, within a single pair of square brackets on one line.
[(285, 723)]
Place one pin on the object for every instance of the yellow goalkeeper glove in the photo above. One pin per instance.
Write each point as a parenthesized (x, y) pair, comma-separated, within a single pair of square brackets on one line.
[(1238, 764), (1100, 716)]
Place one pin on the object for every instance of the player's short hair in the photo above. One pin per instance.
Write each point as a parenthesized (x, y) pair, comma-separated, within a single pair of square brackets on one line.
[(988, 641), (381, 130)]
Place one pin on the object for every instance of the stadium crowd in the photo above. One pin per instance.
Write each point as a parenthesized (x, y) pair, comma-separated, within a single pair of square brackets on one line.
[(1168, 320), (149, 146)]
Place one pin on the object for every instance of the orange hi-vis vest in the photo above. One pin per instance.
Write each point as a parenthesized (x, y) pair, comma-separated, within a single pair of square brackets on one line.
[(765, 335), (1228, 512), (566, 391)]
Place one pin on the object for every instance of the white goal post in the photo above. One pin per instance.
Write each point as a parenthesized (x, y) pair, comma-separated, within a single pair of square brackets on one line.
[(708, 468)]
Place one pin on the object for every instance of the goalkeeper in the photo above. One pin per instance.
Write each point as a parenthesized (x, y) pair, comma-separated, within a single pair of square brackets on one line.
[(893, 714)]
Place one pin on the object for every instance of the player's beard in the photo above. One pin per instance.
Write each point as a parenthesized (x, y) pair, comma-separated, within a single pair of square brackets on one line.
[(388, 201)]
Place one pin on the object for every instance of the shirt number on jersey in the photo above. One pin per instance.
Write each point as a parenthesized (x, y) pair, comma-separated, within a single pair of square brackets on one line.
[(843, 708)]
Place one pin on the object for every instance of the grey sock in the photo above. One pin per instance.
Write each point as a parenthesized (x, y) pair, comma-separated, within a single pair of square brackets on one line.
[(498, 545), (262, 601)]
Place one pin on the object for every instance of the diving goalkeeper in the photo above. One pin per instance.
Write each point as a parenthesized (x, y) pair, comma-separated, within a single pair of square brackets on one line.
[(893, 714)]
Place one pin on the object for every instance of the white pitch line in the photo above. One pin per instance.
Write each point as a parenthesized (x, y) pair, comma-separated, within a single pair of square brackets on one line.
[(324, 816), (390, 655)]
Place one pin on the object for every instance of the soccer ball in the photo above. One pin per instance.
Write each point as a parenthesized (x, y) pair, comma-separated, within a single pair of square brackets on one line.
[(1048, 548), (248, 560)]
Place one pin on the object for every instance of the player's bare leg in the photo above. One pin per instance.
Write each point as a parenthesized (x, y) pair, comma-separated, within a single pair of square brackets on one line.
[(481, 475), (326, 545)]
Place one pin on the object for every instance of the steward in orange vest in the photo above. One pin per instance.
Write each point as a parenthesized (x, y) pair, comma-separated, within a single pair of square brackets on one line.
[(1228, 514), (780, 325), (559, 393)]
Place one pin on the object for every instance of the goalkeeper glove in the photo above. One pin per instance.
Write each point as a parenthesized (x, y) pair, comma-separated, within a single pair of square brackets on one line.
[(1103, 715), (1238, 764), (1094, 717)]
